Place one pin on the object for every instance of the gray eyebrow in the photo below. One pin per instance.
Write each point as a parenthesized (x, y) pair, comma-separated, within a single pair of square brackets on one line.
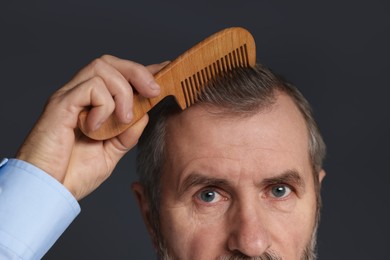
[(195, 179), (291, 177)]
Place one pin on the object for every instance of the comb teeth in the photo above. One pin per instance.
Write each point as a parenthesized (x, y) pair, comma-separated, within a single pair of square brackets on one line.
[(193, 84)]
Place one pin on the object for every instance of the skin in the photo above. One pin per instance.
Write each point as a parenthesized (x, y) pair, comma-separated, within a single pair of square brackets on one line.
[(236, 184), (55, 145)]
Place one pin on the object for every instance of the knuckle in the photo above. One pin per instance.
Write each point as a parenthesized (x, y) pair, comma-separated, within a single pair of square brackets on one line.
[(97, 64), (106, 57), (55, 96), (97, 81)]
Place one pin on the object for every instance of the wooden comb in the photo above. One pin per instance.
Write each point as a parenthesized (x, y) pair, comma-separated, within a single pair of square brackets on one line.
[(186, 75)]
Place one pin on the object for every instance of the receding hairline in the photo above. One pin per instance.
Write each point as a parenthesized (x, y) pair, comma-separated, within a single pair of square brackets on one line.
[(228, 113)]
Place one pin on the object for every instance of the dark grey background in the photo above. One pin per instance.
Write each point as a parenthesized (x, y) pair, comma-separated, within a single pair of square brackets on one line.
[(336, 52)]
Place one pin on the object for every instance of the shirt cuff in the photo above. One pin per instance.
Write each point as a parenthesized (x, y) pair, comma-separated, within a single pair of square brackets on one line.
[(35, 209)]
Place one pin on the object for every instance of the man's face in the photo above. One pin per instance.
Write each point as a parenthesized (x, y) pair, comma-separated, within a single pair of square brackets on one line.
[(237, 185)]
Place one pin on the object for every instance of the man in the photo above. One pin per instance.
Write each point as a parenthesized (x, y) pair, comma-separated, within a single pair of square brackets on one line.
[(235, 176)]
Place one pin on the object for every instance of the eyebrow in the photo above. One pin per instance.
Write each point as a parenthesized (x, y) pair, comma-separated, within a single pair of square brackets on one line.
[(196, 179), (291, 177)]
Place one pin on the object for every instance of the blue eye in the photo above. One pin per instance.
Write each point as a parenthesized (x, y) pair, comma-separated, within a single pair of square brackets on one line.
[(280, 191), (207, 195)]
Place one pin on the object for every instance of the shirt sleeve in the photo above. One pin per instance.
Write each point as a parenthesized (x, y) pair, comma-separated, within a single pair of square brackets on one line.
[(35, 209)]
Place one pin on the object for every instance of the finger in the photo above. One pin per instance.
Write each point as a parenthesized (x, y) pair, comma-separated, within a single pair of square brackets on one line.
[(117, 73), (117, 85), (91, 93), (138, 75), (90, 70), (154, 68), (119, 88), (118, 146)]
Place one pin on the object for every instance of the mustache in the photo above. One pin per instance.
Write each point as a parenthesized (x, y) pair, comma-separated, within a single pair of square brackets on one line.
[(240, 256)]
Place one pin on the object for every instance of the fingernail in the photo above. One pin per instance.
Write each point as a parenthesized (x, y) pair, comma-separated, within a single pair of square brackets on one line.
[(97, 126), (165, 63), (153, 85)]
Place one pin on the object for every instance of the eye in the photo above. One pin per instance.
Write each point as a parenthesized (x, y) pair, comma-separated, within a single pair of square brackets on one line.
[(280, 191), (209, 196)]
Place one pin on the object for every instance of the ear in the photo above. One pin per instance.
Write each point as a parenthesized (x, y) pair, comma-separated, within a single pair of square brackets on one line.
[(321, 175), (143, 205)]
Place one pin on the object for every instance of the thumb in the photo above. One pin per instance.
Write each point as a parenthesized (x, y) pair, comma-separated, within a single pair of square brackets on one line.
[(118, 146)]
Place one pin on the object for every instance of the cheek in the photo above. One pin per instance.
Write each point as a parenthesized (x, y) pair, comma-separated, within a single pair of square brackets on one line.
[(291, 232), (188, 237)]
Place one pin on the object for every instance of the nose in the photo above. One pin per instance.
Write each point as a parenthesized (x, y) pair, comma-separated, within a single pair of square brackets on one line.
[(248, 231)]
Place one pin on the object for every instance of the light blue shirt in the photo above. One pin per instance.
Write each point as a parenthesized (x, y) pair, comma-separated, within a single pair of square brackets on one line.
[(35, 209)]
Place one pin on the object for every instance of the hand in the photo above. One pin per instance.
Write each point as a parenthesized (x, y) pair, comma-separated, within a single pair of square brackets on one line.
[(56, 146)]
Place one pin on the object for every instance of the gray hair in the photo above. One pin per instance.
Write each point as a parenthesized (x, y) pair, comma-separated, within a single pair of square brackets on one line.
[(241, 92)]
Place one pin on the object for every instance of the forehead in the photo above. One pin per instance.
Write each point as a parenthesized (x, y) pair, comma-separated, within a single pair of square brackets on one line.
[(204, 131)]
